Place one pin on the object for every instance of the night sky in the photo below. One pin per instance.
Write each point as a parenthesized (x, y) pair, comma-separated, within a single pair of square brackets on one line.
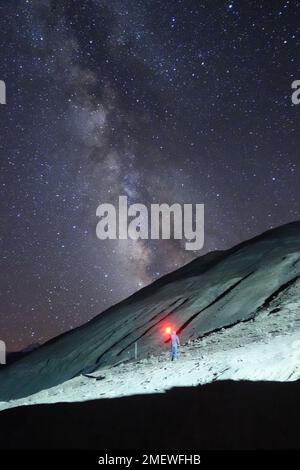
[(163, 101)]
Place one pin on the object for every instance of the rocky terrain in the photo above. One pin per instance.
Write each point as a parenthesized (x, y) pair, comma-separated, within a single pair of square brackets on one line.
[(237, 314), (264, 348)]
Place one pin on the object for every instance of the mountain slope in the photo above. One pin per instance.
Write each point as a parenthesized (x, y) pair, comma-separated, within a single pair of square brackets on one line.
[(267, 348), (212, 292)]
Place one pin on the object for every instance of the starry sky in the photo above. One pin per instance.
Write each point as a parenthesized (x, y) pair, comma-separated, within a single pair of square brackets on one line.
[(163, 101)]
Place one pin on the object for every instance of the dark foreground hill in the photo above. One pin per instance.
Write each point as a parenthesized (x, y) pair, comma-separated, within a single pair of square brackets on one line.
[(214, 291), (221, 415)]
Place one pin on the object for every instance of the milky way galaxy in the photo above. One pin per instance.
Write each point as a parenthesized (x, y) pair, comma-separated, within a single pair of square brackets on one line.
[(160, 101)]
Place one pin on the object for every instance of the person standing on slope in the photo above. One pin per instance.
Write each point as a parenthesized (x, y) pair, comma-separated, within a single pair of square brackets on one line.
[(174, 345)]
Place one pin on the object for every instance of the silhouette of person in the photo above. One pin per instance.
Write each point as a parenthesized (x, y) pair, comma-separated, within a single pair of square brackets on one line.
[(174, 345)]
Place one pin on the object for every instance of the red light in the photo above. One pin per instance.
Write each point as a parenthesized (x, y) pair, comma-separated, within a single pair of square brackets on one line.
[(168, 330)]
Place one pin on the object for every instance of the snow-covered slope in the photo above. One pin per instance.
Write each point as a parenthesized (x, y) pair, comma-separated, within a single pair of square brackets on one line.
[(251, 281)]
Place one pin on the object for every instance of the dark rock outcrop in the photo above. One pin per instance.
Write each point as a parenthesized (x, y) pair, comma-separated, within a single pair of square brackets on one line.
[(221, 415)]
